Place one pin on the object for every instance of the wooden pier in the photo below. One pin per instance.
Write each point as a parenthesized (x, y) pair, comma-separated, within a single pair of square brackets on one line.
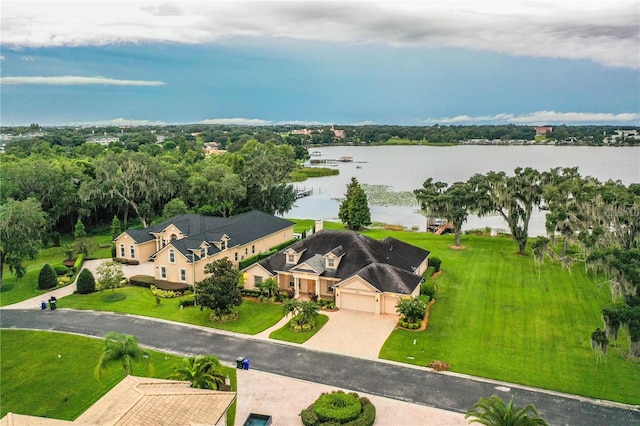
[(303, 192)]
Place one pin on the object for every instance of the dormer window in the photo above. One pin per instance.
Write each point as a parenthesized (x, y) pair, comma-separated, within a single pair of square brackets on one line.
[(291, 258), (223, 244), (331, 262)]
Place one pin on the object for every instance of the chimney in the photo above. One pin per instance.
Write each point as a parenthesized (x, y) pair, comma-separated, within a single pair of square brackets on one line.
[(319, 225)]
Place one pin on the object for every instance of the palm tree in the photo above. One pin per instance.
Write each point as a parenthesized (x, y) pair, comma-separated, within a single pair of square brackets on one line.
[(119, 348), (307, 312), (204, 372), (494, 412)]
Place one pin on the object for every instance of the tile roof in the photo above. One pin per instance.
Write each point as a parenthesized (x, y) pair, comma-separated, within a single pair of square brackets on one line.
[(389, 264), (142, 401)]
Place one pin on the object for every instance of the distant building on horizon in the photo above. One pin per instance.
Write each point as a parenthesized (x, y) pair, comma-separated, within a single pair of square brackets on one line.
[(542, 130)]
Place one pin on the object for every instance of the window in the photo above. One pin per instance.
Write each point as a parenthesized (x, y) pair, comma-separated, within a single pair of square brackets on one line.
[(163, 272), (183, 275), (164, 242), (253, 249), (257, 281), (236, 256), (292, 282), (132, 252), (291, 258), (122, 253), (330, 262), (174, 237), (172, 256), (246, 250), (329, 288), (223, 244)]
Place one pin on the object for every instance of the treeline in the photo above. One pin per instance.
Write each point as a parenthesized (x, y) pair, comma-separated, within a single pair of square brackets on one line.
[(232, 137), (94, 183)]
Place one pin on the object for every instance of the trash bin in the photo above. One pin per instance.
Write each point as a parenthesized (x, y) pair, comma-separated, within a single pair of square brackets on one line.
[(245, 364), (52, 303), (239, 362), (43, 305)]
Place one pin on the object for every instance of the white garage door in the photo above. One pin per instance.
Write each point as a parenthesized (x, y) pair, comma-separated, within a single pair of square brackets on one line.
[(389, 306), (358, 302)]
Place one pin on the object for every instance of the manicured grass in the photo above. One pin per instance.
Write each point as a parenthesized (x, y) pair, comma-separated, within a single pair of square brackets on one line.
[(253, 317), (15, 290), (287, 335), (49, 374), (497, 316)]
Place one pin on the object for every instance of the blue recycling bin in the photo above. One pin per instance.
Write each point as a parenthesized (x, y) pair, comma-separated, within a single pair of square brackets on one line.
[(43, 305), (245, 364)]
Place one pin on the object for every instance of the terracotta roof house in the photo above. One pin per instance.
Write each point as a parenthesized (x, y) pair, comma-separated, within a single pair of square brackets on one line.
[(358, 272), (141, 401), (181, 247)]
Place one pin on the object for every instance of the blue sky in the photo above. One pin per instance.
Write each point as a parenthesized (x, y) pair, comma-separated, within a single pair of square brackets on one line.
[(453, 62)]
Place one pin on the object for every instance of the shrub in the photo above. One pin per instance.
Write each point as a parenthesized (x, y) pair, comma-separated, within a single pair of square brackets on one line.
[(142, 281), (412, 309), (165, 294), (428, 288), (339, 408), (435, 262), (60, 269), (47, 277), (250, 293), (64, 280), (86, 282), (188, 302), (78, 263)]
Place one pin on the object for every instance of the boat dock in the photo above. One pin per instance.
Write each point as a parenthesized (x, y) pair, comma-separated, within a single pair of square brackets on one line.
[(303, 192)]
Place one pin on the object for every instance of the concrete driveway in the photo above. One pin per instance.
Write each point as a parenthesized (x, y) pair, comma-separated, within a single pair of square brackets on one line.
[(354, 333)]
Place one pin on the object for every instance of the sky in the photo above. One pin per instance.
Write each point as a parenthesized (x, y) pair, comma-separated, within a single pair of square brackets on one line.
[(319, 62)]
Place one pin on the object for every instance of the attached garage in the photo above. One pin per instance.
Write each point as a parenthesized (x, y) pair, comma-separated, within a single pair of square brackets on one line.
[(389, 303), (358, 302)]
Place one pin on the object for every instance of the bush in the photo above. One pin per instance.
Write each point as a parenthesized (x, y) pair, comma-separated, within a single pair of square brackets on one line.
[(339, 408), (165, 294), (64, 280), (142, 280), (188, 302), (428, 288), (78, 263), (47, 277), (60, 269), (250, 293), (86, 282), (435, 262)]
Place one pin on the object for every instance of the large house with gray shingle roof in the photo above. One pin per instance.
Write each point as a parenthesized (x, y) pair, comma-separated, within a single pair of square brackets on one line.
[(358, 272), (181, 247)]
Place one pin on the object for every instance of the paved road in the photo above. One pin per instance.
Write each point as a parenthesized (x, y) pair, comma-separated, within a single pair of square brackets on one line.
[(405, 383)]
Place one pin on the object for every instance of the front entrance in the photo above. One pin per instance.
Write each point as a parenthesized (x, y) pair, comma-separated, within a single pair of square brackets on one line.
[(311, 285)]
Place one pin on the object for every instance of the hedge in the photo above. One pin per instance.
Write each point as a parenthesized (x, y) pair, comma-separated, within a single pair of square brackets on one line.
[(258, 257), (78, 263), (338, 408)]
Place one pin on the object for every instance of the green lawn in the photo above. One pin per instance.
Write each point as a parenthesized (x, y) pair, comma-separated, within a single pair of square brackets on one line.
[(496, 316), (287, 335), (253, 317), (14, 290), (49, 374)]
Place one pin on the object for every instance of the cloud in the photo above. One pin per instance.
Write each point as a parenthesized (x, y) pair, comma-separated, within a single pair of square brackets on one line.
[(119, 122), (237, 121), (71, 80), (541, 118), (605, 32)]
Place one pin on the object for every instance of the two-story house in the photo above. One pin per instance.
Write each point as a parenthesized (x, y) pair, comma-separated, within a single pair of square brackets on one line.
[(181, 247)]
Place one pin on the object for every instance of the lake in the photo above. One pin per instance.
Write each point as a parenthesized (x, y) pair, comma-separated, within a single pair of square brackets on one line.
[(405, 168)]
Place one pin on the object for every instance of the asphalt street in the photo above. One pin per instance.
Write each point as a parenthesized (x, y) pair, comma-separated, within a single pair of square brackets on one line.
[(392, 380)]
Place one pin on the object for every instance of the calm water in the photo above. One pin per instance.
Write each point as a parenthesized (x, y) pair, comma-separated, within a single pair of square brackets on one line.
[(405, 168)]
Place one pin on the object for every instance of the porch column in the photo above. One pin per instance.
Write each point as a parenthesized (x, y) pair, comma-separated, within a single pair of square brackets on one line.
[(296, 286), (318, 287)]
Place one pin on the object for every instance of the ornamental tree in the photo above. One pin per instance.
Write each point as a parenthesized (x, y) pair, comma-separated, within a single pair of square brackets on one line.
[(219, 291), (354, 210)]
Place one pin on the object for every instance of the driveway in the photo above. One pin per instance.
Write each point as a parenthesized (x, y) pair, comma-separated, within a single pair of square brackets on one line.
[(353, 333)]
